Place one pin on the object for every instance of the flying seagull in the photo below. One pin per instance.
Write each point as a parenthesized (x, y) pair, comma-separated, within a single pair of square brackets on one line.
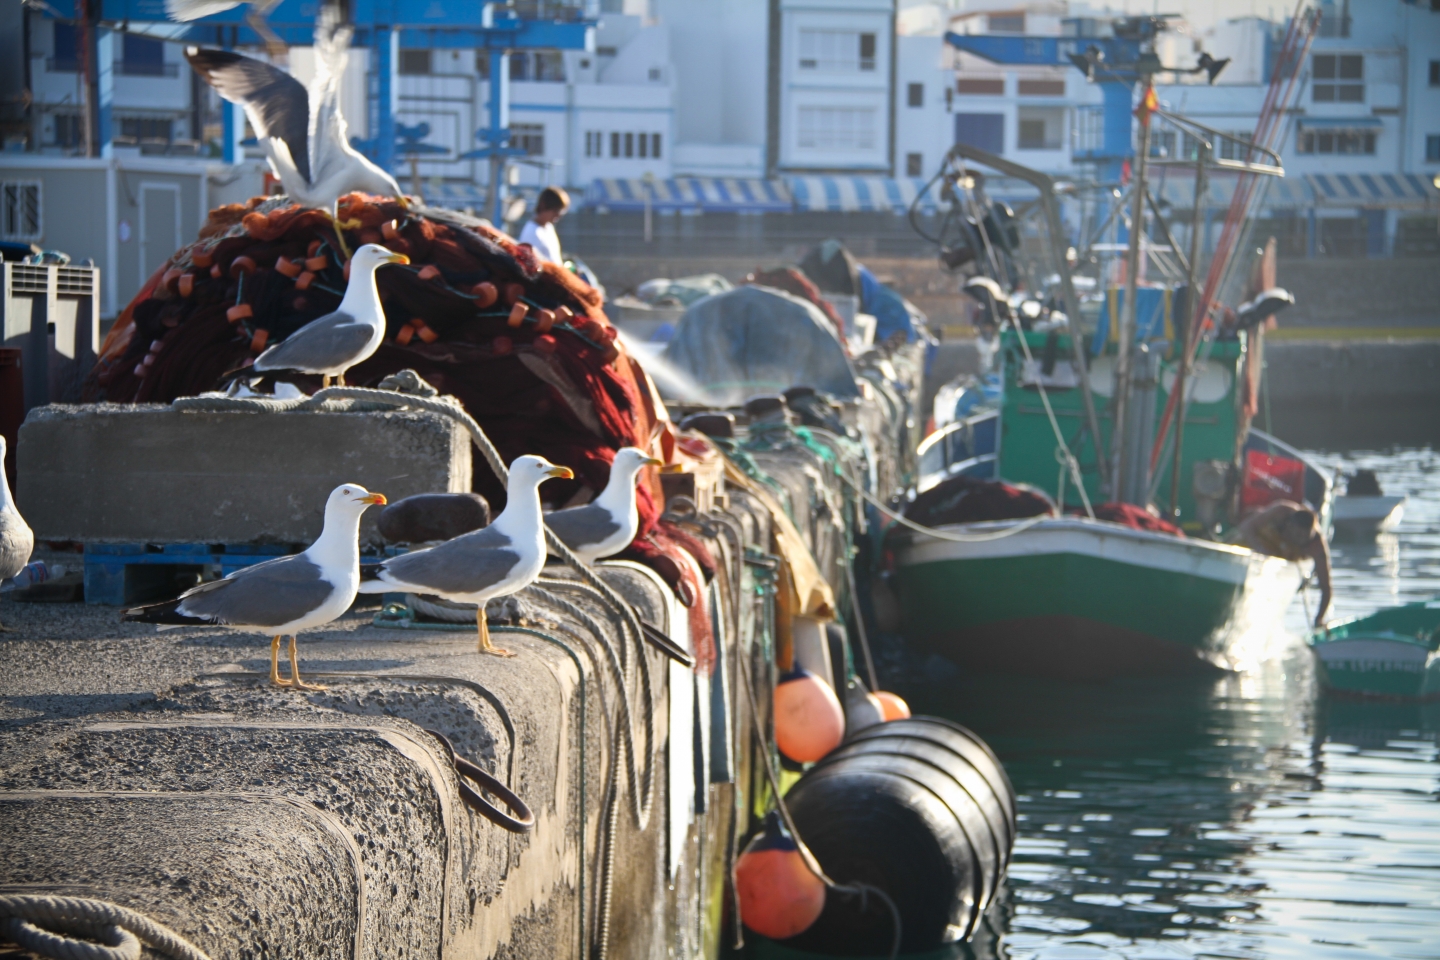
[(183, 11), (607, 525), (334, 343), (285, 595), (16, 538), (302, 132), (495, 561)]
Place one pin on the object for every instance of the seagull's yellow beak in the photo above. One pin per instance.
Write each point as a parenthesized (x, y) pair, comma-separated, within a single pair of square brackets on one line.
[(397, 258), (374, 499), (561, 473), (653, 462)]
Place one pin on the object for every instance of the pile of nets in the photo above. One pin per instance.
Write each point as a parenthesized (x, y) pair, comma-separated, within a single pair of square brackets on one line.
[(523, 344)]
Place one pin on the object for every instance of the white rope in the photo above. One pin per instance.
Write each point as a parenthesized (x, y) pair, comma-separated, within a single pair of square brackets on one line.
[(904, 521), (121, 929)]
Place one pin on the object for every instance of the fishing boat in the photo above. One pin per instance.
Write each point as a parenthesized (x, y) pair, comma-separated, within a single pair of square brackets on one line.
[(1365, 510), (1084, 415), (1391, 654)]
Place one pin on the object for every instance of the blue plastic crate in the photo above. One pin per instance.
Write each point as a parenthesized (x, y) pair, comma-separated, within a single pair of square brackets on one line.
[(121, 574)]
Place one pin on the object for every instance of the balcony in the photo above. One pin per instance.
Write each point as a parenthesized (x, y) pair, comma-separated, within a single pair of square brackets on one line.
[(124, 68)]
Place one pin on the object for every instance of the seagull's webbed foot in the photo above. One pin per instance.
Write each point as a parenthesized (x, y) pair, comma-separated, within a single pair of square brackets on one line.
[(482, 627), (275, 679), (295, 682), (341, 226)]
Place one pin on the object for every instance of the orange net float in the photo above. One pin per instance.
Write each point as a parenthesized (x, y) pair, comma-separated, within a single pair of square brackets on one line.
[(423, 330), (242, 264), (317, 263), (484, 293), (313, 248), (809, 721), (390, 230), (513, 292), (429, 272), (370, 236), (289, 268), (215, 272), (517, 315), (204, 259), (185, 285), (171, 279), (779, 896), (892, 707), (241, 311), (303, 281), (257, 342), (406, 334)]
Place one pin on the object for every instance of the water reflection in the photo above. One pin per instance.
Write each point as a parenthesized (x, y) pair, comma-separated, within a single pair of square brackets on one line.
[(1249, 817)]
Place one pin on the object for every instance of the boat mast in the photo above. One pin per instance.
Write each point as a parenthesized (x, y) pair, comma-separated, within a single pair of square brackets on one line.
[(1193, 319)]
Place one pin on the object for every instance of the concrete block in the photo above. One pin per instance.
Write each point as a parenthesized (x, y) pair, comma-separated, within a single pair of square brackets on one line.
[(111, 473)]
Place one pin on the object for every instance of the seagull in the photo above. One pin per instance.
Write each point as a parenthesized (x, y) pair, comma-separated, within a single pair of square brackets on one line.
[(495, 561), (606, 526), (334, 343), (302, 132), (285, 595), (184, 11), (16, 538)]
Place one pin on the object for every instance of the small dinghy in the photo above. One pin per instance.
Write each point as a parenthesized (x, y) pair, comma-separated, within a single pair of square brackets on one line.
[(1389, 654), (1364, 510)]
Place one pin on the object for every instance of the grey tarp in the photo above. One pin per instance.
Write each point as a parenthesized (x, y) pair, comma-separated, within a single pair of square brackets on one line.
[(757, 340)]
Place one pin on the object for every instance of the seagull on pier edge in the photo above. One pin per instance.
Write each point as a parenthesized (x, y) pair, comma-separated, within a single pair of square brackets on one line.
[(302, 132), (16, 539), (334, 343), (605, 526), (495, 561), (285, 595)]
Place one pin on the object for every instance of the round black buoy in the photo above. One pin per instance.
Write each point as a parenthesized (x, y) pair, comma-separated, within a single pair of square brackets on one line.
[(919, 808), (433, 516)]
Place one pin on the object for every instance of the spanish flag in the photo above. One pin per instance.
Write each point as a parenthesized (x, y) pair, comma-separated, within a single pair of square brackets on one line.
[(1148, 105)]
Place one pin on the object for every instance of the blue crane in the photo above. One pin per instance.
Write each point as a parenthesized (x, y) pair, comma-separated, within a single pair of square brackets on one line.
[(383, 26)]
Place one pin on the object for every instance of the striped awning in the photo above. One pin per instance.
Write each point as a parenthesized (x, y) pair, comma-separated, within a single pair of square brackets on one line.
[(1372, 189), (708, 194), (847, 194), (453, 193), (1275, 192)]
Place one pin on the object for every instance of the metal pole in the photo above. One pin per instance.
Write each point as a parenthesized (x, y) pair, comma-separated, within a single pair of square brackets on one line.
[(498, 135), (387, 64), (1192, 327), (1123, 467)]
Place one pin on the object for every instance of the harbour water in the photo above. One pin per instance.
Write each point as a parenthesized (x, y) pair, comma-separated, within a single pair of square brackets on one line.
[(1246, 817)]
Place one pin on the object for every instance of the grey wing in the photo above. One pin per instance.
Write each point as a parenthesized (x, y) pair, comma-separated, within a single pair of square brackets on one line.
[(16, 543), (579, 527), (183, 11), (276, 103), (334, 340), (268, 594), (467, 564)]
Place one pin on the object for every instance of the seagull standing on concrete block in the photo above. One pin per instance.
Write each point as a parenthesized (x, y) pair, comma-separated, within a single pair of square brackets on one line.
[(495, 561), (334, 343), (285, 595), (606, 526), (302, 132), (16, 539)]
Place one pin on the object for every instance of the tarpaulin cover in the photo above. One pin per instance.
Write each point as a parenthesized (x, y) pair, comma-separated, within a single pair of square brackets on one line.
[(759, 340), (893, 313)]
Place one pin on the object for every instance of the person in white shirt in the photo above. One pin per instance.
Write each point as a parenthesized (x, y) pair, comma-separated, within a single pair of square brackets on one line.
[(539, 232)]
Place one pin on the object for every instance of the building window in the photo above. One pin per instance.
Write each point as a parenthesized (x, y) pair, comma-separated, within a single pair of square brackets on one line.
[(145, 57), (654, 74), (67, 49), (594, 143), (1352, 142), (1041, 128), (614, 144), (983, 130), (836, 51), (980, 86), (1235, 145), (1162, 144), (644, 144), (145, 128), (1435, 73), (1338, 78), (529, 137), (1006, 23), (837, 128), (1042, 88), (69, 130), (549, 66), (1432, 148), (629, 145), (20, 210), (915, 94), (914, 165), (416, 63), (655, 146)]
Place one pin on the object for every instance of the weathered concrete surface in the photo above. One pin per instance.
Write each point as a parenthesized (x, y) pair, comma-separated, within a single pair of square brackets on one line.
[(1354, 372), (151, 474), (1403, 291)]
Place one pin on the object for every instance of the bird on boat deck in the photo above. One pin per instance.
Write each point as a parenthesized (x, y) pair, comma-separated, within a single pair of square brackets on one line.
[(334, 343), (607, 525), (16, 539), (302, 132), (282, 596), (495, 561)]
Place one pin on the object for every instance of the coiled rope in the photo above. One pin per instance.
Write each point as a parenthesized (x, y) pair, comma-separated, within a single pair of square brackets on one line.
[(120, 930)]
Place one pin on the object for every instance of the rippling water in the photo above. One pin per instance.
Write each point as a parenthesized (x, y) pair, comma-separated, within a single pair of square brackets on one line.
[(1250, 817)]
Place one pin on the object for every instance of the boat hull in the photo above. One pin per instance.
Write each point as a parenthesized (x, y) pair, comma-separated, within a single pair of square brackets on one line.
[(1379, 666), (1367, 516), (1085, 599)]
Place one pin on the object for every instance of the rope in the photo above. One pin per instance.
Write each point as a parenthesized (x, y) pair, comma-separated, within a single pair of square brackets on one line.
[(120, 929), (905, 521)]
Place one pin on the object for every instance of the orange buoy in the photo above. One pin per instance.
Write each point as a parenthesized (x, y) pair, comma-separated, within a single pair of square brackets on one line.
[(186, 284), (429, 272), (288, 267), (779, 896), (303, 281), (893, 707), (257, 342), (485, 294), (405, 335), (808, 720), (241, 311), (317, 263), (517, 314)]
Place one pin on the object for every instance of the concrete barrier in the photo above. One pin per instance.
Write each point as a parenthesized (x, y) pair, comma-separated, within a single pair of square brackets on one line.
[(111, 473)]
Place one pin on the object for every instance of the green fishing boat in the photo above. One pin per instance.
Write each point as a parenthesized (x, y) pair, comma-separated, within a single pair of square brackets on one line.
[(1391, 654)]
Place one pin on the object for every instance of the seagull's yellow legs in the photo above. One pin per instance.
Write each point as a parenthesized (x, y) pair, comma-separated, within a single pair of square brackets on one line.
[(482, 626), (294, 683), (341, 226)]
